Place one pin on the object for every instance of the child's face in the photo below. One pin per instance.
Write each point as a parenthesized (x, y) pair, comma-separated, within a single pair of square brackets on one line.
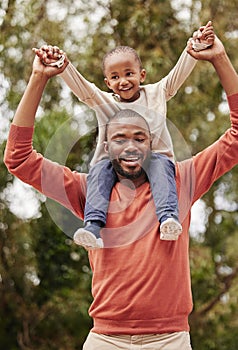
[(124, 76)]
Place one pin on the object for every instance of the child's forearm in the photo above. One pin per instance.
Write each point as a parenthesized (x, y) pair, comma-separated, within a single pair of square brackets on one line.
[(179, 73), (81, 87)]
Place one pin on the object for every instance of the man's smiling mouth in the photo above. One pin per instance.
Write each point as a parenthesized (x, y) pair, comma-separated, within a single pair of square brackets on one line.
[(131, 160)]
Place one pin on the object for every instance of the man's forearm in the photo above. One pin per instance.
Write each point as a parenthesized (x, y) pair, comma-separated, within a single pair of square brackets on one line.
[(26, 111), (226, 73)]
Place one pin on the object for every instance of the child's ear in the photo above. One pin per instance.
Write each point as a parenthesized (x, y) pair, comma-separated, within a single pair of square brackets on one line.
[(106, 146), (142, 75), (107, 83)]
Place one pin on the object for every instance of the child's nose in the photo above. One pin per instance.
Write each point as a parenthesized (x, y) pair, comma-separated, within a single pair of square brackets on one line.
[(123, 81)]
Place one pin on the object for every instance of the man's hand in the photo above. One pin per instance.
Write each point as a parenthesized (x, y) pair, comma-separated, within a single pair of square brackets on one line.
[(210, 54)]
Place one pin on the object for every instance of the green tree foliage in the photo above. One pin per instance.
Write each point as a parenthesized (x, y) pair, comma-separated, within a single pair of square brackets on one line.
[(44, 278)]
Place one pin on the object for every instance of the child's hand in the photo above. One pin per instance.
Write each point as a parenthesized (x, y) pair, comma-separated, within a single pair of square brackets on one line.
[(47, 70), (206, 34), (204, 37), (51, 55), (210, 54)]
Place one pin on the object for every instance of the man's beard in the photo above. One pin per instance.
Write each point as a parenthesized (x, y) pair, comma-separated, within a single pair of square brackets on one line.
[(128, 175)]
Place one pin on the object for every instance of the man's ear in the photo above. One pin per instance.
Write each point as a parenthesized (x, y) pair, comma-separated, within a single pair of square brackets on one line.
[(106, 146), (107, 83), (151, 140), (142, 75)]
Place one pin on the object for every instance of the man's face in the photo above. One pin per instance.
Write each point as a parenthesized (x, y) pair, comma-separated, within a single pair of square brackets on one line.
[(129, 147)]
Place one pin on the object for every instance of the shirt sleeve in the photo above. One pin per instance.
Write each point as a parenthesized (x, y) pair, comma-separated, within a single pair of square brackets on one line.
[(86, 91), (100, 101), (53, 180), (179, 74), (81, 87)]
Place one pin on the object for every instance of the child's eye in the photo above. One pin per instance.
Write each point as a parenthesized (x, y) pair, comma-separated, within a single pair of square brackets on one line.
[(114, 77)]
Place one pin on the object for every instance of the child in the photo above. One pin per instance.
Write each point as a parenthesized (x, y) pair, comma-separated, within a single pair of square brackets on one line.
[(124, 75)]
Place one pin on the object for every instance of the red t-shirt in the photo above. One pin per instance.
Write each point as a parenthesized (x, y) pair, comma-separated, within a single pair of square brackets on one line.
[(140, 284)]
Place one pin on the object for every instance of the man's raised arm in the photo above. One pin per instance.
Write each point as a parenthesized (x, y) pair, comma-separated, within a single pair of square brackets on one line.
[(221, 156), (26, 111), (222, 64)]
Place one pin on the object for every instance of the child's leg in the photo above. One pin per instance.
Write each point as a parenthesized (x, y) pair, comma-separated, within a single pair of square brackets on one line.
[(161, 174), (100, 181)]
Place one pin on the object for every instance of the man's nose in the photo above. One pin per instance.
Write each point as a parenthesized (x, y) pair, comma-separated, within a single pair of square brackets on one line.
[(130, 146)]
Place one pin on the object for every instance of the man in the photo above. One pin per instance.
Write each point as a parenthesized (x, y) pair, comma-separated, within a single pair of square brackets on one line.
[(141, 285)]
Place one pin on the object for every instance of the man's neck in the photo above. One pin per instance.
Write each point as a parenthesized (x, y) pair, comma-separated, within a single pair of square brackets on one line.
[(133, 183)]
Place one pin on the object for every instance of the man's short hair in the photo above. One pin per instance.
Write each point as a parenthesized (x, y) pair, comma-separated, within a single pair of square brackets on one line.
[(125, 113)]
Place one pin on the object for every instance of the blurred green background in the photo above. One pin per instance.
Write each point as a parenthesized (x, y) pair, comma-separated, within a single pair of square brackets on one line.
[(44, 278)]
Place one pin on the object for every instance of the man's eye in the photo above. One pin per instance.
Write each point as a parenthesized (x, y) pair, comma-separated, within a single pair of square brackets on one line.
[(140, 140), (119, 141)]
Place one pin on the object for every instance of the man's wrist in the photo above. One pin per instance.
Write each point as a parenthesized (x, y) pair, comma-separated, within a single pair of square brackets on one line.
[(40, 76), (219, 58)]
